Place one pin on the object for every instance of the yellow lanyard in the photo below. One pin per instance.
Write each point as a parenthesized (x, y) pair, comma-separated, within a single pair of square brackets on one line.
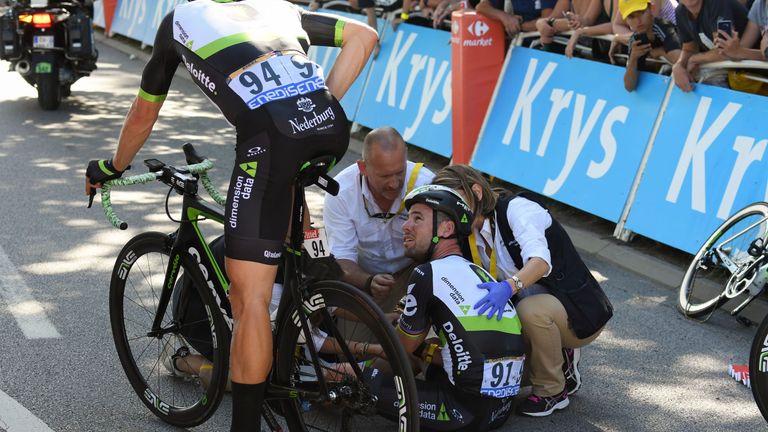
[(476, 256), (411, 183)]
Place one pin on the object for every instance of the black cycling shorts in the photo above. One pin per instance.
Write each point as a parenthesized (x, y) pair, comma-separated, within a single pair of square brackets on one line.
[(443, 406), (273, 142)]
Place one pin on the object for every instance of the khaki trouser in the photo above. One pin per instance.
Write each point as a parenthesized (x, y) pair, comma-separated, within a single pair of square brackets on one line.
[(546, 333), (356, 331)]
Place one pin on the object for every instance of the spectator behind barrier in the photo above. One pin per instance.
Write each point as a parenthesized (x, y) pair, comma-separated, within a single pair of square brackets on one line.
[(697, 25), (595, 22), (444, 9), (565, 16), (522, 17), (664, 9), (745, 48), (365, 220), (425, 9), (368, 7), (652, 36)]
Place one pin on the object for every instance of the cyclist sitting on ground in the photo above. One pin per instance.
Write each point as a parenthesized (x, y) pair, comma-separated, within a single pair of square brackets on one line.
[(475, 371), (560, 304), (249, 58)]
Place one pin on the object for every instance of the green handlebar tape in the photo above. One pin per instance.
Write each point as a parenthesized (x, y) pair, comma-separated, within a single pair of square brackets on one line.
[(219, 198), (106, 189)]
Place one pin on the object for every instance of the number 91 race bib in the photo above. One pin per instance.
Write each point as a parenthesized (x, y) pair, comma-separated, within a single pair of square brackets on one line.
[(501, 377), (277, 77)]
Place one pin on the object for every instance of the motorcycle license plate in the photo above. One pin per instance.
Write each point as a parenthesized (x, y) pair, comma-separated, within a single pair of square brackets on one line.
[(42, 42)]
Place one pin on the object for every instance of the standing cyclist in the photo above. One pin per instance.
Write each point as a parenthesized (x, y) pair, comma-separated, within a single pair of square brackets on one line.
[(474, 369), (249, 58)]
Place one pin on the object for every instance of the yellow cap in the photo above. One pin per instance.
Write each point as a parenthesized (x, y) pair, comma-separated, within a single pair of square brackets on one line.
[(626, 7)]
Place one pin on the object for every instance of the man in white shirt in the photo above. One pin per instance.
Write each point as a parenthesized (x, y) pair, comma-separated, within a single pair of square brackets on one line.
[(365, 220)]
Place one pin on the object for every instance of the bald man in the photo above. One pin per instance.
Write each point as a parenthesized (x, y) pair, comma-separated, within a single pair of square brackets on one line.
[(365, 220)]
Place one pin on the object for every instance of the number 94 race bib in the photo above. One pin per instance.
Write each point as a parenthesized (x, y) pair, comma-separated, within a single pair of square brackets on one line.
[(501, 377), (276, 77)]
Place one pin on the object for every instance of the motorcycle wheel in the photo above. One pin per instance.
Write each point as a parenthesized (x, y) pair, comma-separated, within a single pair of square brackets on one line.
[(48, 92)]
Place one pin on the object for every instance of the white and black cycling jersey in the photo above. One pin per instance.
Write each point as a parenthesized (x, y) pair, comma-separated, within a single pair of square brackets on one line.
[(480, 355)]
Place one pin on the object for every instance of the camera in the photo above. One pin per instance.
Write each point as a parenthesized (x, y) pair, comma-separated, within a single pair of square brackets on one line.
[(725, 25), (642, 38)]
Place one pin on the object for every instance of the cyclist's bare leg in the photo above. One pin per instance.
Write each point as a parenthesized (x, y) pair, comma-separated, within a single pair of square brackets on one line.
[(250, 294), (251, 353)]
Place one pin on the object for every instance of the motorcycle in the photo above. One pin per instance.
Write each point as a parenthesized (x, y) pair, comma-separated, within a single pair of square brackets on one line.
[(50, 44)]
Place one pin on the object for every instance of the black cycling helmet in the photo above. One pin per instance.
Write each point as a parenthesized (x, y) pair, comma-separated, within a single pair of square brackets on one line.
[(446, 200)]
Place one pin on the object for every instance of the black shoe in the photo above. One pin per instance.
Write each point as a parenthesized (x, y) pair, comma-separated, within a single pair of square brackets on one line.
[(571, 357), (542, 406)]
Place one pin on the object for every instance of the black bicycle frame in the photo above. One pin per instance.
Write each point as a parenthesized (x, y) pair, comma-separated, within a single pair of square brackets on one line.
[(190, 244), (188, 241), (296, 287)]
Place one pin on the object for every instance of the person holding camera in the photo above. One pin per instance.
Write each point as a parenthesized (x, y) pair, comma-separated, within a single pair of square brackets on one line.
[(650, 36), (699, 23), (744, 46)]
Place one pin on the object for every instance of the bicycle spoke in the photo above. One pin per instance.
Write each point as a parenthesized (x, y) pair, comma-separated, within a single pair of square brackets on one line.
[(142, 305)]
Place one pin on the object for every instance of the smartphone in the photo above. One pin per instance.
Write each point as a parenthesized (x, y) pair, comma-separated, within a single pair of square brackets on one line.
[(725, 25), (642, 38)]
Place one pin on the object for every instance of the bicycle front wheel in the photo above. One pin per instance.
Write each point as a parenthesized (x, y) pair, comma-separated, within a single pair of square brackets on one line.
[(179, 370), (758, 368), (364, 338), (704, 285)]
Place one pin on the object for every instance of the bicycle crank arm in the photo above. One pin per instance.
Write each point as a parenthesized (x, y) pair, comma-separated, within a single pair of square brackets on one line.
[(744, 304)]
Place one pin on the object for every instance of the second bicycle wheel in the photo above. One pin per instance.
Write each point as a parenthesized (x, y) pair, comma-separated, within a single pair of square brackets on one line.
[(758, 367), (704, 285), (338, 309), (178, 369)]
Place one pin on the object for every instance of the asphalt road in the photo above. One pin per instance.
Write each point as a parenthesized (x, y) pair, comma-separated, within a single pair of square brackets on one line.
[(651, 369)]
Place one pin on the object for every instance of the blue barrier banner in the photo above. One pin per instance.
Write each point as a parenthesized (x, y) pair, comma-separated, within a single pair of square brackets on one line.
[(130, 18), (326, 57), (708, 162), (139, 19), (567, 129), (98, 14), (157, 12), (409, 87)]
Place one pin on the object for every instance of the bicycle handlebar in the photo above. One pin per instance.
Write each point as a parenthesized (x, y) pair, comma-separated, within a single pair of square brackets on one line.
[(198, 168)]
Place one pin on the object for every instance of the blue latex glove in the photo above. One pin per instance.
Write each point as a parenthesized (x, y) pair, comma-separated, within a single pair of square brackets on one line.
[(496, 299)]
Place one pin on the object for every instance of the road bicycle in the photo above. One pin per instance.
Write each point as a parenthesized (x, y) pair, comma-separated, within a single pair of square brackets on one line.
[(732, 262), (321, 372), (758, 367)]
